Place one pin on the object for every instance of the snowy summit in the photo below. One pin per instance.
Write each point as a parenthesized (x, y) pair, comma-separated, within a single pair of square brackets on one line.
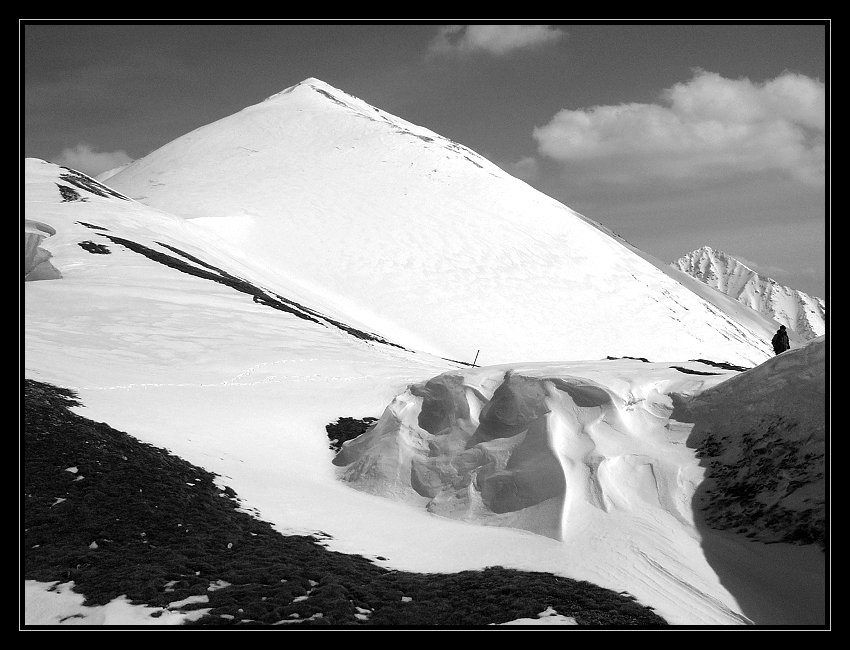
[(426, 242), (799, 311), (312, 258)]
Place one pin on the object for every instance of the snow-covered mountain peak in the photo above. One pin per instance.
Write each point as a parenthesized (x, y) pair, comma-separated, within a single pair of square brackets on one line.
[(313, 94), (803, 313), (324, 95), (709, 252), (314, 85), (427, 242), (711, 259)]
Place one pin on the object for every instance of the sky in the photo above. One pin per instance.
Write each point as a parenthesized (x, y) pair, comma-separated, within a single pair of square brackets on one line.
[(673, 135)]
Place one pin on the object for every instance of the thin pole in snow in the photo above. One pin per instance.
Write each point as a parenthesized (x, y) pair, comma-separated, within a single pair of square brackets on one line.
[(476, 357)]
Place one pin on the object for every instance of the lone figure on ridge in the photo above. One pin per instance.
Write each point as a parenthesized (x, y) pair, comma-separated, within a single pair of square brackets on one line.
[(780, 340)]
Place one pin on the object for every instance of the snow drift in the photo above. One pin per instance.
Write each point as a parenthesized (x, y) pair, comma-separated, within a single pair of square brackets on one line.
[(37, 265), (426, 242), (539, 446)]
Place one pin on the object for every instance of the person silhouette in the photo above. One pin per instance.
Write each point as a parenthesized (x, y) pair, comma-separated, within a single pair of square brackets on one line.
[(780, 340)]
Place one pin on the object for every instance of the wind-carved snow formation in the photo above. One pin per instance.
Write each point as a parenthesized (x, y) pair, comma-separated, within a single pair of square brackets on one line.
[(426, 242), (532, 447), (551, 450), (803, 313), (37, 265)]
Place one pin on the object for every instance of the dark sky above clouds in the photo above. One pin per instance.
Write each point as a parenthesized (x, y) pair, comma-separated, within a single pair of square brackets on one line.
[(673, 135)]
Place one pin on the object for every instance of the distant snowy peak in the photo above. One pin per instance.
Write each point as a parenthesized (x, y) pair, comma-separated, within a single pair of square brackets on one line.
[(803, 313)]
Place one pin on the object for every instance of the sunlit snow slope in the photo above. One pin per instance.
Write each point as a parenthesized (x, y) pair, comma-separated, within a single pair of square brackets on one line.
[(803, 313), (166, 337), (422, 240), (124, 273), (167, 334)]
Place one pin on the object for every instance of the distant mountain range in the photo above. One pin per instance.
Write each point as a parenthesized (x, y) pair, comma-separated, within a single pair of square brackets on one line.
[(799, 311)]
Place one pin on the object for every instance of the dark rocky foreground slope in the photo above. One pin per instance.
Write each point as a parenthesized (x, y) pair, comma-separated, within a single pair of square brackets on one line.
[(766, 459), (120, 517)]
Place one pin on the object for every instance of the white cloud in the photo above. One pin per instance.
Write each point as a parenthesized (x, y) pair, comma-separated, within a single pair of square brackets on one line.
[(492, 39), (85, 159), (708, 126)]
